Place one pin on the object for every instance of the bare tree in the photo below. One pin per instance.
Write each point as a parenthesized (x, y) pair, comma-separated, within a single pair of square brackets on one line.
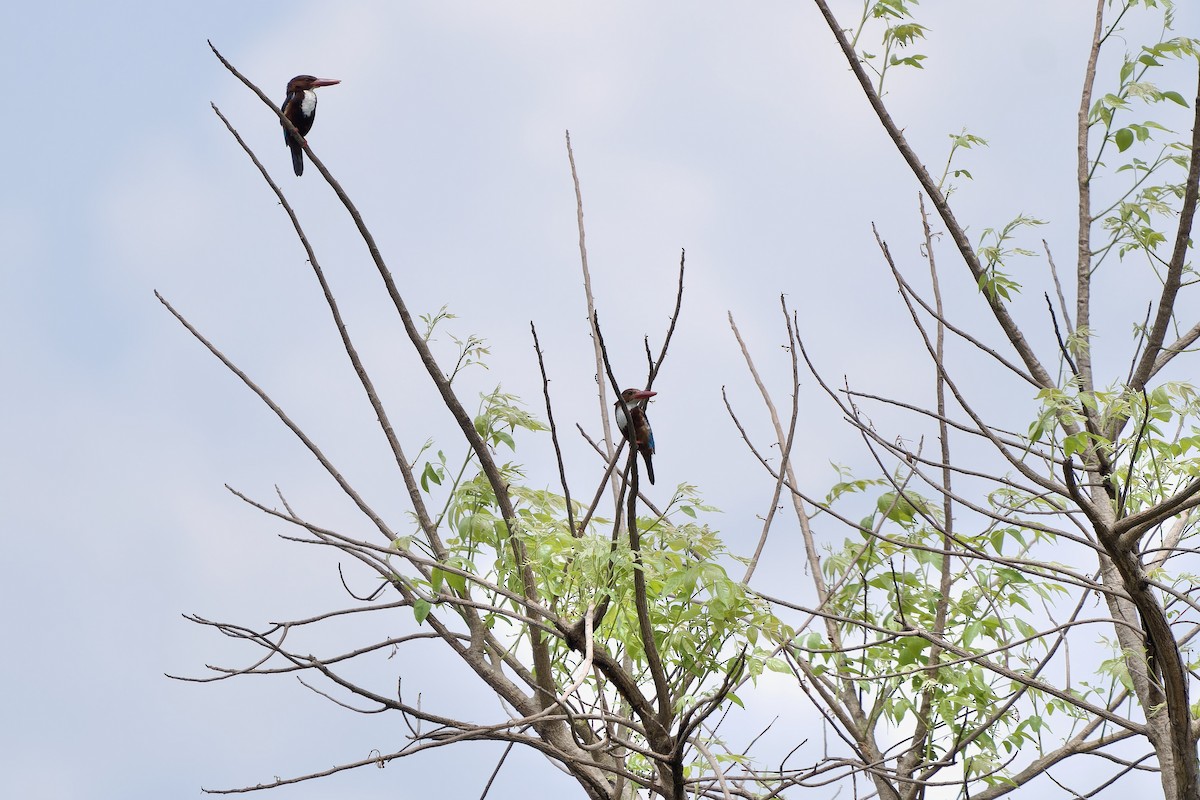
[(938, 649), (941, 621), (610, 651)]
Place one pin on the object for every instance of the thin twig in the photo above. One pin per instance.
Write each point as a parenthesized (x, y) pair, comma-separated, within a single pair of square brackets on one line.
[(562, 471), (785, 447), (487, 787)]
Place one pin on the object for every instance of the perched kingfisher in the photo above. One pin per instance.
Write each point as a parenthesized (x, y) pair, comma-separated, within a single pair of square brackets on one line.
[(643, 437), (300, 107)]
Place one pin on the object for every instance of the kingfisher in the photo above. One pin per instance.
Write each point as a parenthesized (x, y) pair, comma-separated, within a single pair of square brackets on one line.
[(300, 107), (643, 437)]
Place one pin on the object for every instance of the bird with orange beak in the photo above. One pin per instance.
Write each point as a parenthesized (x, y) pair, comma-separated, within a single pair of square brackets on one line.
[(300, 107), (640, 436)]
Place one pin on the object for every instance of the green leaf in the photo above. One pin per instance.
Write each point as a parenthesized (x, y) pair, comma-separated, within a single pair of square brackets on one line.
[(430, 475), (778, 665), (997, 539), (1175, 96), (897, 508), (1037, 429), (457, 582), (421, 609), (1123, 138), (1075, 443), (910, 649), (910, 61)]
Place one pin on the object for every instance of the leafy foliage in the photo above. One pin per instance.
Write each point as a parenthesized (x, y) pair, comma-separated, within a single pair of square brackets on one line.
[(900, 32), (702, 617), (889, 582), (1134, 220)]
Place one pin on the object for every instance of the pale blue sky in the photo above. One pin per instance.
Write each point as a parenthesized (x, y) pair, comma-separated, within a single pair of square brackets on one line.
[(734, 132)]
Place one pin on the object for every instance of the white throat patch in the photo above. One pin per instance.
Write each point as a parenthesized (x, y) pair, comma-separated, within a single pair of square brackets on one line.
[(308, 102)]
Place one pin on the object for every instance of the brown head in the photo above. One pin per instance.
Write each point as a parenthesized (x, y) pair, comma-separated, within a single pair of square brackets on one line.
[(636, 397), (302, 83)]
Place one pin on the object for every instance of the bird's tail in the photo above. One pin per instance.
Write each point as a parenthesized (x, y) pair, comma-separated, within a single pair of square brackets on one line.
[(298, 163), (649, 467)]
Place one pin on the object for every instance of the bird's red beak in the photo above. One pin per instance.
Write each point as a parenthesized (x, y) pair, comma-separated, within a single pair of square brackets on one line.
[(644, 394), (324, 82)]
